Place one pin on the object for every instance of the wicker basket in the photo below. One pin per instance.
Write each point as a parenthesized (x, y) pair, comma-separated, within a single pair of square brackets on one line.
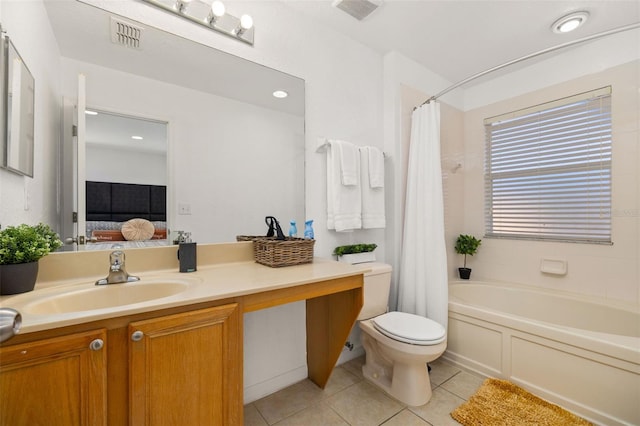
[(276, 253)]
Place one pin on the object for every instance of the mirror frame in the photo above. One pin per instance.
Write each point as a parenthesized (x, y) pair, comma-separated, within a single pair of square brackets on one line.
[(18, 123)]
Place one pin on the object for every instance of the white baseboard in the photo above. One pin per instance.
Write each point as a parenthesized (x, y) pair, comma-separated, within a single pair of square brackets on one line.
[(260, 390)]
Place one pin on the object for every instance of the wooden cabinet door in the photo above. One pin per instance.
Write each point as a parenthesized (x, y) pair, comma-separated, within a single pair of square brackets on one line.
[(58, 381), (186, 369)]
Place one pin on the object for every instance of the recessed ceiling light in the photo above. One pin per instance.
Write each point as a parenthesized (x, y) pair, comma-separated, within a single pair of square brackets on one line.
[(89, 112), (138, 138), (570, 22), (280, 94)]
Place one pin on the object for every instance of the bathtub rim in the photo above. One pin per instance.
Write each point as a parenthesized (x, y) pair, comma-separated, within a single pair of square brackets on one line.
[(625, 349)]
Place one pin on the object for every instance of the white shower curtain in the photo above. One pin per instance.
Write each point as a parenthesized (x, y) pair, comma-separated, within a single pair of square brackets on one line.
[(423, 282)]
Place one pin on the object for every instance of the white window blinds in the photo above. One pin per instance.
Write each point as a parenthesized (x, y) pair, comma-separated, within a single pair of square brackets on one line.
[(548, 171)]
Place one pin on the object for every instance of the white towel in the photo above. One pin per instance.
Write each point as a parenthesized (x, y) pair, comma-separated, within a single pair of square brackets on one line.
[(344, 203), (373, 214), (349, 174), (376, 167)]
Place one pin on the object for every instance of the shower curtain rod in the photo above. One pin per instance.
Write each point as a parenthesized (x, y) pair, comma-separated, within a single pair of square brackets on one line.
[(532, 55)]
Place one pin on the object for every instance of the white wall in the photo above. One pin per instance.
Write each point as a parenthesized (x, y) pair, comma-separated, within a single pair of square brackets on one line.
[(24, 199), (608, 272), (343, 100), (106, 164)]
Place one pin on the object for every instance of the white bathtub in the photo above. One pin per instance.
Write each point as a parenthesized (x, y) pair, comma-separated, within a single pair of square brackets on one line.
[(574, 351)]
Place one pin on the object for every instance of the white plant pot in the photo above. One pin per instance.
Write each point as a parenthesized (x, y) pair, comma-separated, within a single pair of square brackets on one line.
[(358, 257)]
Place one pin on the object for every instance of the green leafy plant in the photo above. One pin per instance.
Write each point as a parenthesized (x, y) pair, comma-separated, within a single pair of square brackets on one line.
[(26, 243), (354, 248), (467, 245)]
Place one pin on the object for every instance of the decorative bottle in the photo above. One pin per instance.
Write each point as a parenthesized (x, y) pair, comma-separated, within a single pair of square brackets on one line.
[(293, 230), (308, 229)]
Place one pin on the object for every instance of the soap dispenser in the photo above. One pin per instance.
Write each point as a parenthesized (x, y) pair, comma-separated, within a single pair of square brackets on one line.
[(187, 254)]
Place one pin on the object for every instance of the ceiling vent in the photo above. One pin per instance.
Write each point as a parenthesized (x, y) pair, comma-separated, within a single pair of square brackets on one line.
[(359, 9), (125, 34)]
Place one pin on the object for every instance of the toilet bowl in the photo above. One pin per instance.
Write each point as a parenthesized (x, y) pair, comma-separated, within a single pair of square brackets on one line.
[(397, 345)]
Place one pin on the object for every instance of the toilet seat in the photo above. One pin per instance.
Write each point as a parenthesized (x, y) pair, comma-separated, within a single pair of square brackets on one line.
[(410, 328)]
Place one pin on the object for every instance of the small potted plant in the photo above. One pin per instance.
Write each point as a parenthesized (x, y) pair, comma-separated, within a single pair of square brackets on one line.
[(356, 253), (20, 249), (466, 245)]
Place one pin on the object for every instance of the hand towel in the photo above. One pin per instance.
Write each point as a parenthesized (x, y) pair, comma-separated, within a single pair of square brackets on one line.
[(348, 152), (344, 203), (376, 167), (373, 213)]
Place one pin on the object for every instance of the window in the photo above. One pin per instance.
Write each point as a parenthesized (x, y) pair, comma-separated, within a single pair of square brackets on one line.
[(548, 171)]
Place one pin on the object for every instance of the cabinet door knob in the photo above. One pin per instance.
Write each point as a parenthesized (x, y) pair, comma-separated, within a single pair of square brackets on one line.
[(96, 345), (136, 336)]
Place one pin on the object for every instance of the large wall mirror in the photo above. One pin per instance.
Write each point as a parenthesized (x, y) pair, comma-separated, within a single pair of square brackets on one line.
[(18, 99), (234, 152)]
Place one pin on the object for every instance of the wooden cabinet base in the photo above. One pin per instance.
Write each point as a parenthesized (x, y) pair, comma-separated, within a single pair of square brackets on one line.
[(60, 381)]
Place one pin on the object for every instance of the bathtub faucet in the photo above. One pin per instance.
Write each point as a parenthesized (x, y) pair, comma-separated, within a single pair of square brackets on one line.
[(117, 273)]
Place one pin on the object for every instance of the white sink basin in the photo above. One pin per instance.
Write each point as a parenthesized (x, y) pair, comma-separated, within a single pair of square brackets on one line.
[(102, 297)]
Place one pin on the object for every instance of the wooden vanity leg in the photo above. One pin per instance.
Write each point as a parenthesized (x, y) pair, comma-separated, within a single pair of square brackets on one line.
[(329, 321)]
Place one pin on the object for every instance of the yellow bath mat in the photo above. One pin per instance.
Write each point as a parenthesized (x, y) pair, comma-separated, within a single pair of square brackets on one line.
[(499, 402)]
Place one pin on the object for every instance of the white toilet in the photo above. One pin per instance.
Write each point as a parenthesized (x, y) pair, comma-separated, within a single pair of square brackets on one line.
[(398, 345)]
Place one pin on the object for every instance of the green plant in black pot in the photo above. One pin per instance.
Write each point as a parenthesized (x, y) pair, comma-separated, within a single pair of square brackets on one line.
[(21, 247), (466, 245)]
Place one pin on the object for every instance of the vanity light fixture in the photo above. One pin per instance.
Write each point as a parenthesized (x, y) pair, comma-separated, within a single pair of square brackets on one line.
[(89, 112), (570, 22), (210, 15), (181, 5), (280, 94), (138, 138)]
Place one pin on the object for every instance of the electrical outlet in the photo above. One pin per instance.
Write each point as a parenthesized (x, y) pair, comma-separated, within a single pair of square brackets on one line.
[(184, 208)]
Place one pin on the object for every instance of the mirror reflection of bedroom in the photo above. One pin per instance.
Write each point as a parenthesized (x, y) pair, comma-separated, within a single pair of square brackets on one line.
[(126, 180)]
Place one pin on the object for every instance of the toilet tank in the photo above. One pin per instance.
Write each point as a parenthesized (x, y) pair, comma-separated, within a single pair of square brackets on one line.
[(377, 282)]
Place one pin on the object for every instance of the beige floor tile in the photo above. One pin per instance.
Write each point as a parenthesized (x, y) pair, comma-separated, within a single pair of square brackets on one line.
[(252, 417), (355, 366), (288, 401), (317, 415), (437, 410), (340, 379), (463, 384), (441, 371), (405, 418), (364, 404)]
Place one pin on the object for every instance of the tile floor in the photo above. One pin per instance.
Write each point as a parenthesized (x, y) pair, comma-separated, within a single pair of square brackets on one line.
[(348, 399)]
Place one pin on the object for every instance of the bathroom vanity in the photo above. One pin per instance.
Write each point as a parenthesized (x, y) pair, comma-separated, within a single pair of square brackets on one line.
[(175, 359)]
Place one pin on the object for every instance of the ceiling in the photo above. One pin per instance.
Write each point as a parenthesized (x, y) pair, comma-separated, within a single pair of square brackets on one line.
[(108, 129), (457, 39), (84, 32)]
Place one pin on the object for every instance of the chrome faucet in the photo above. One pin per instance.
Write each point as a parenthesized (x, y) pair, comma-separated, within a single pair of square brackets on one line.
[(117, 273), (10, 322)]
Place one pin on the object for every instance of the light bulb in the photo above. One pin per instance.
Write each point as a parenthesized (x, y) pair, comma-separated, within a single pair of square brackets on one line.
[(570, 22), (217, 8), (569, 25), (246, 22)]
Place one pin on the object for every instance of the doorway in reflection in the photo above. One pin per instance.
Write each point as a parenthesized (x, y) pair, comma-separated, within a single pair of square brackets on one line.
[(126, 180)]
